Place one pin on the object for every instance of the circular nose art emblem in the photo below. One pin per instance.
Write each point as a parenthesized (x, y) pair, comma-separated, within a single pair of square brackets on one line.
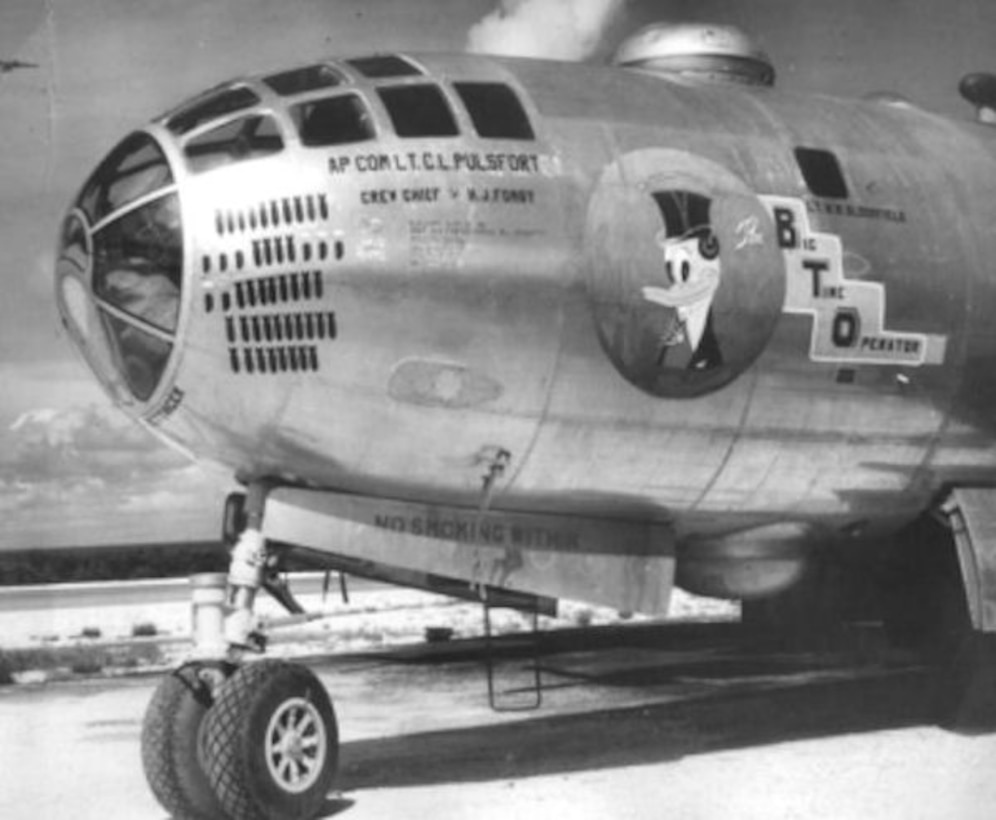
[(684, 272)]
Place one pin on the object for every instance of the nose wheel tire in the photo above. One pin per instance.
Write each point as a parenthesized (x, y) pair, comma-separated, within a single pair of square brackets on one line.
[(169, 746), (270, 744)]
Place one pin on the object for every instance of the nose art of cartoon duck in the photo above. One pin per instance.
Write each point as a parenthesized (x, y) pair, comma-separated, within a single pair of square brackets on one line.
[(692, 270)]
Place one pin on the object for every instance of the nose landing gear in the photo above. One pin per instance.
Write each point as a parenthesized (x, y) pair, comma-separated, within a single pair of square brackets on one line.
[(244, 741)]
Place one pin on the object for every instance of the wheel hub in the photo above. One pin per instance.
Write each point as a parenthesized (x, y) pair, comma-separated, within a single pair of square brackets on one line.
[(296, 745)]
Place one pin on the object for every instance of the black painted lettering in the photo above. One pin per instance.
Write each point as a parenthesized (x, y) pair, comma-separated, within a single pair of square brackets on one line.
[(817, 267), (420, 194), (376, 196), (525, 163), (846, 328), (785, 230)]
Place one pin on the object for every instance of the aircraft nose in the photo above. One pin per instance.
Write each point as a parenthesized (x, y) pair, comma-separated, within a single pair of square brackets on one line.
[(119, 269)]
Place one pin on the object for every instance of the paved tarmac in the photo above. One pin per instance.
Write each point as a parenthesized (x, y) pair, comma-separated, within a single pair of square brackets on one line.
[(636, 723)]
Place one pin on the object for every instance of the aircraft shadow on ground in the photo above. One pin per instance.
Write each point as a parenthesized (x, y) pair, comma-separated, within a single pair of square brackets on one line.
[(741, 715)]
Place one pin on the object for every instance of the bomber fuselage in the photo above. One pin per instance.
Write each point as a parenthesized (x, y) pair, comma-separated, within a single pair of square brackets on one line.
[(701, 303)]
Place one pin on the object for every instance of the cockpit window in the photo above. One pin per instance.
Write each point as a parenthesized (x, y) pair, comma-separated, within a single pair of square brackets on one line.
[(138, 263), (211, 106), (236, 141), (135, 168), (495, 110), (384, 65), (419, 111), (333, 121), (301, 80)]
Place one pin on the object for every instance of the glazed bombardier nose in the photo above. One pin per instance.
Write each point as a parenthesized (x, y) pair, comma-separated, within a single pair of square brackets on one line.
[(120, 268)]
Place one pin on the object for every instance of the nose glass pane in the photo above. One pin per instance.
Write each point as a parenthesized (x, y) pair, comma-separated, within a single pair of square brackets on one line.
[(140, 357), (300, 80), (138, 262), (213, 105), (77, 304), (135, 168), (73, 247), (237, 141)]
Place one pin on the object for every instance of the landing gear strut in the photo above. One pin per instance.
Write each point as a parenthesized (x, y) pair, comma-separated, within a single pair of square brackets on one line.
[(224, 738)]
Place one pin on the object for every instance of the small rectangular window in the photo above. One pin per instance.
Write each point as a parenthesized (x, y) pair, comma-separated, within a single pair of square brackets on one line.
[(300, 80), (419, 111), (384, 65), (236, 141), (822, 173), (213, 105), (495, 111), (333, 121)]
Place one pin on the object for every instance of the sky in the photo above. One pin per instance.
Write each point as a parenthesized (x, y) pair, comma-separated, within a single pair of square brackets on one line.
[(73, 469)]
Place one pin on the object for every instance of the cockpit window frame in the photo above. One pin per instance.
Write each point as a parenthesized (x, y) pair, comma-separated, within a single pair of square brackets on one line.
[(481, 98), (360, 118), (304, 80), (385, 67), (141, 322), (139, 268), (153, 348), (245, 147), (415, 119), (216, 104), (97, 199)]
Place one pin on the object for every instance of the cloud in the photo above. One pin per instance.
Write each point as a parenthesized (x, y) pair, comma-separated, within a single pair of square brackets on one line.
[(60, 384), (554, 29), (84, 471), (81, 442)]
